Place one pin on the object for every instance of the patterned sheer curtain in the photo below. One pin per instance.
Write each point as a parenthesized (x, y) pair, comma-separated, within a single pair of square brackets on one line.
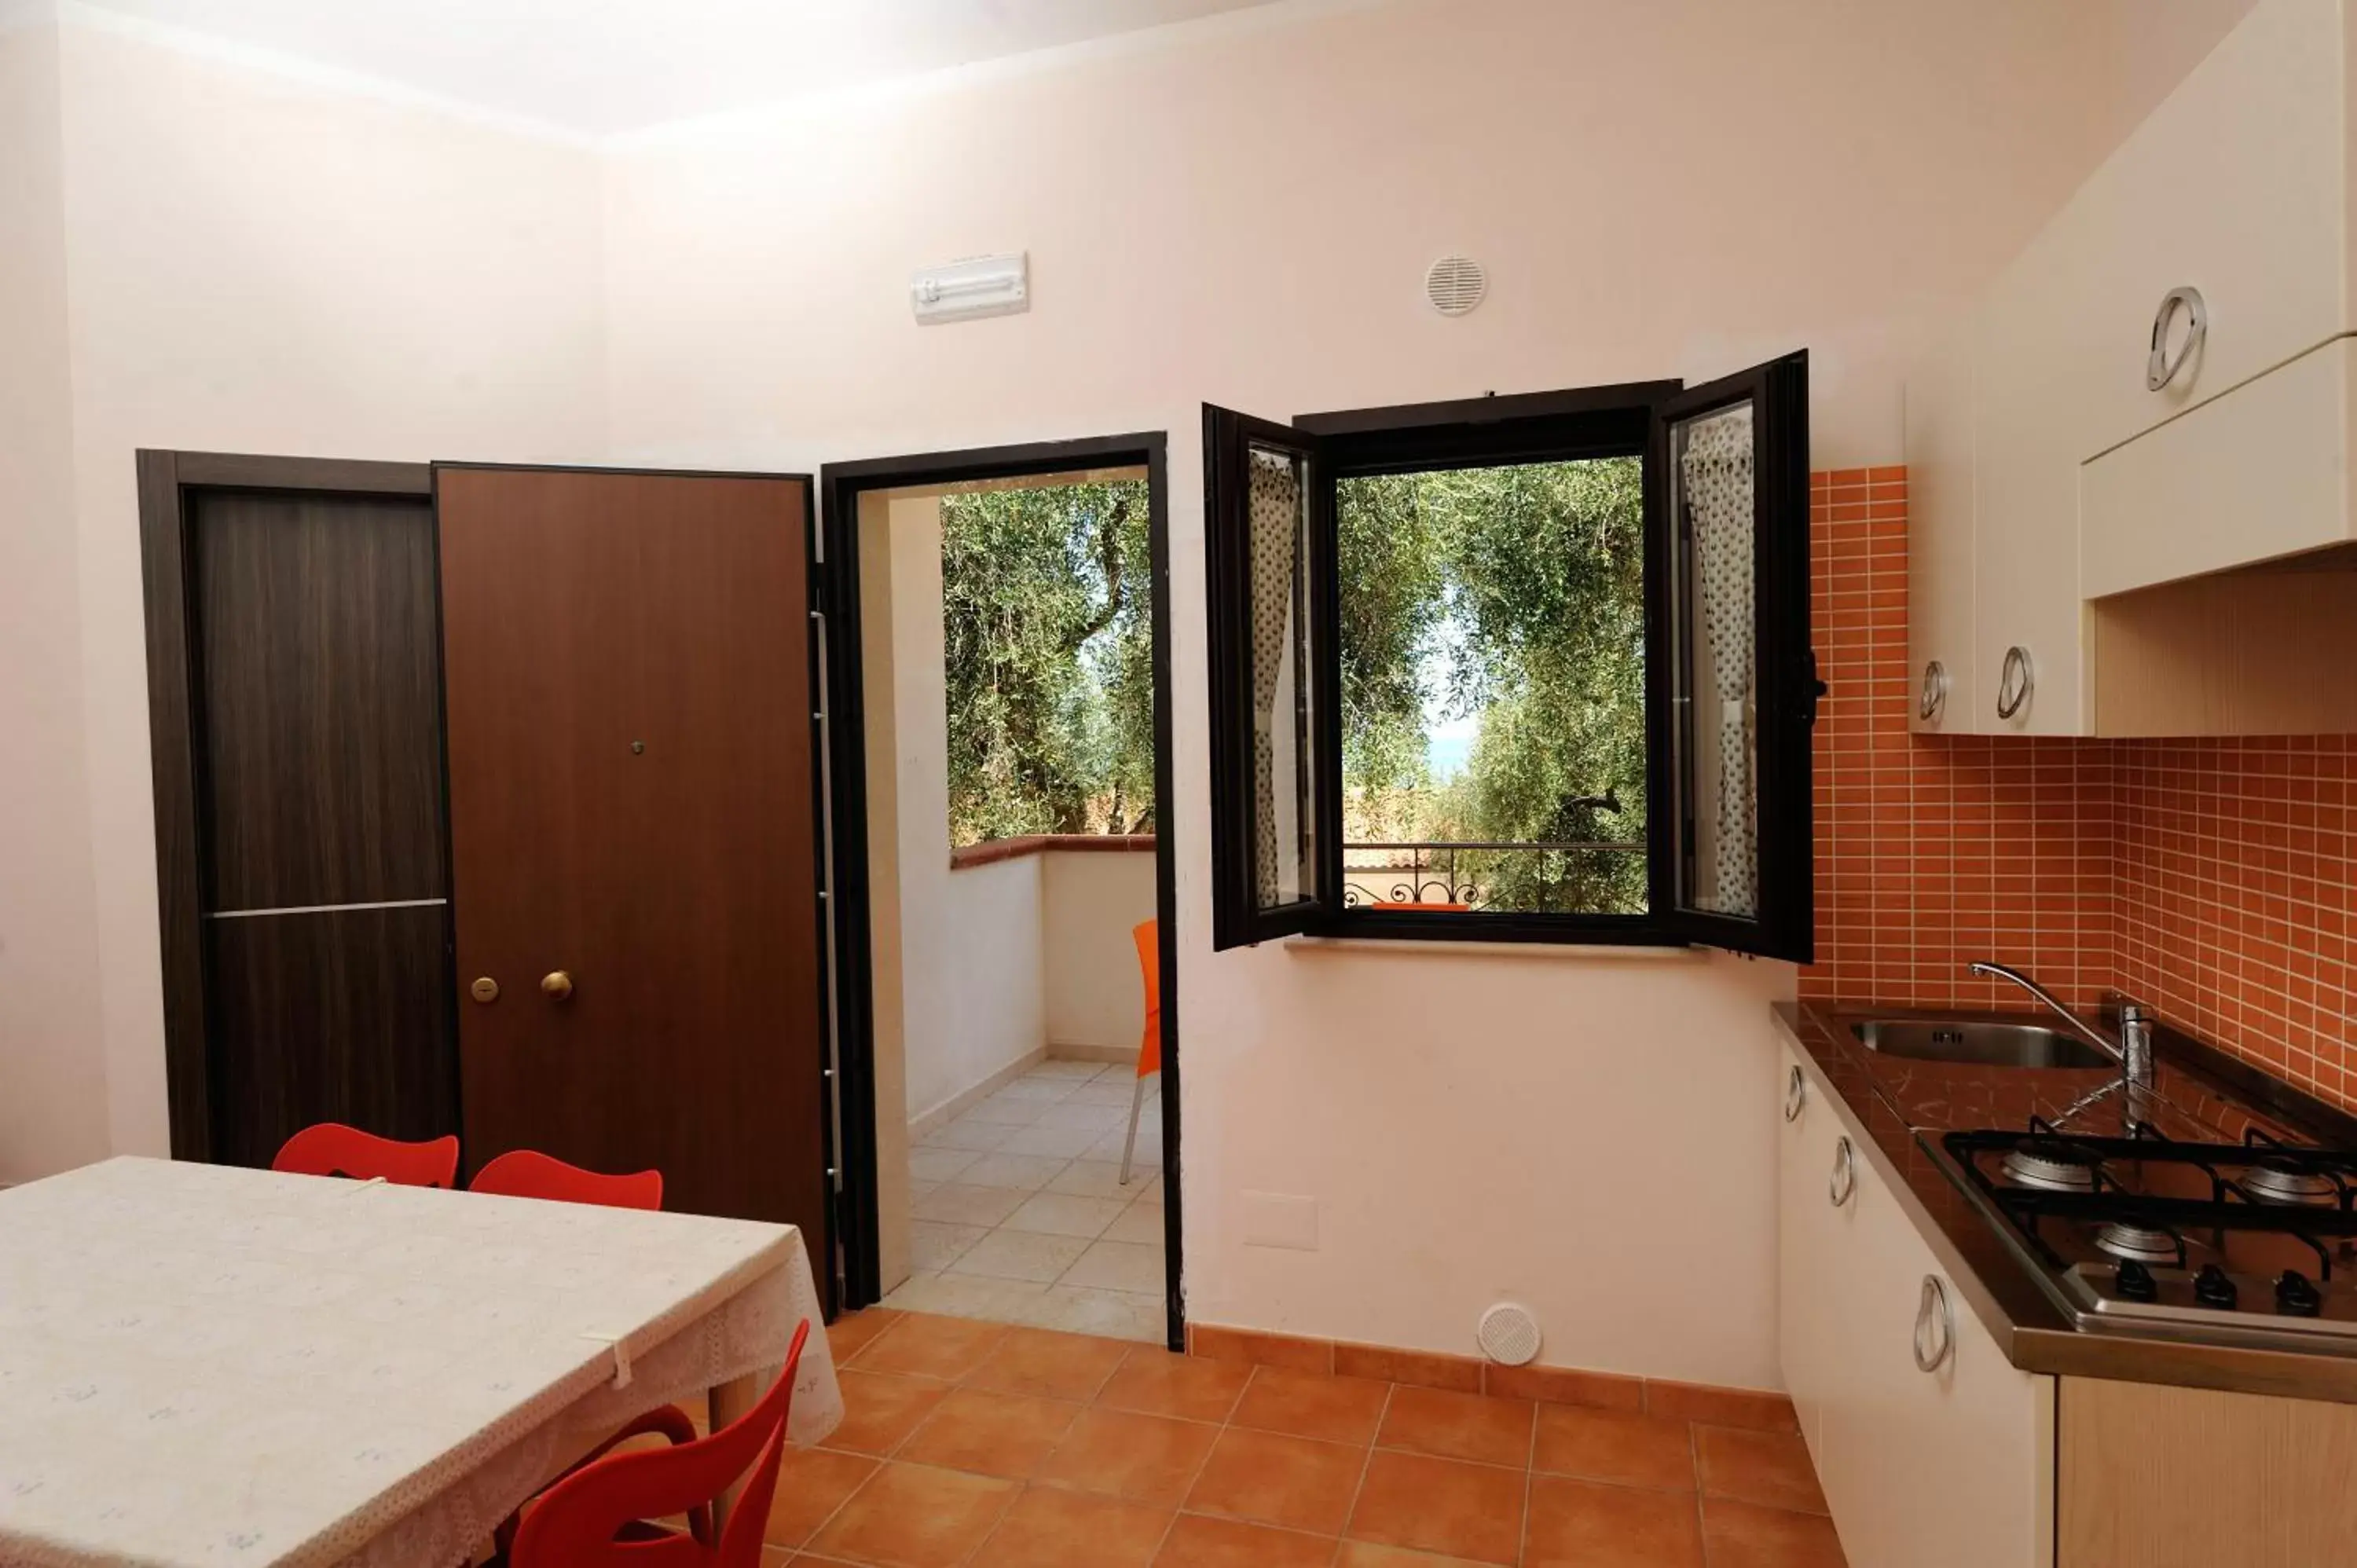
[(1716, 474), (1274, 489)]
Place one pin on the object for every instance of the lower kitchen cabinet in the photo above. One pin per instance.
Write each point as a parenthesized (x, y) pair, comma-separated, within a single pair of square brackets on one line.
[(2154, 1476), (1951, 1466)]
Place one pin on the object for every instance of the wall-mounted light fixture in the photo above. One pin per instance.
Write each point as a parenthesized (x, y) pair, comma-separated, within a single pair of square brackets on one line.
[(979, 285)]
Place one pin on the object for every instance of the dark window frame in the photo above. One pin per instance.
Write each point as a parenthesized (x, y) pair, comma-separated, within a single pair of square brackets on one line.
[(1629, 419)]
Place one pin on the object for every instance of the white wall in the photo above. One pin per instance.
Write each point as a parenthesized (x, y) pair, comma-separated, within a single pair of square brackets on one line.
[(52, 1076), (262, 263), (1092, 899), (1240, 212), (972, 981)]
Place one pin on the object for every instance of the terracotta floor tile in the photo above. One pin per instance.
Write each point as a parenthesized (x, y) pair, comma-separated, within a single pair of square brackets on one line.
[(1754, 1408), (1155, 1382), (1367, 1555), (1459, 1426), (1273, 1480), (1051, 1366), (1440, 1505), (1312, 1404), (1579, 1524), (1144, 1458), (1745, 1535), (1772, 1468), (928, 1346), (852, 1332), (1200, 1542), (811, 1484), (912, 1515), (1047, 1528), (991, 1433), (1610, 1446), (879, 1410)]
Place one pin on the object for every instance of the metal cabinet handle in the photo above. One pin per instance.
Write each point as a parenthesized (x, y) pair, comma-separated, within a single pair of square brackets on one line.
[(556, 985), (2015, 681), (2160, 367), (1935, 700), (1796, 1090), (1844, 1177), (1935, 1326)]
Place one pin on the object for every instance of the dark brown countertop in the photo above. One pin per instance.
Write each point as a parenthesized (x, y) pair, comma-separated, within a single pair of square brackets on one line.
[(1893, 1100)]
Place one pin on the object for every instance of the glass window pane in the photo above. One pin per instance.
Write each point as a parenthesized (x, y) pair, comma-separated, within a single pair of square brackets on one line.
[(1283, 798), (1492, 648), (1717, 682)]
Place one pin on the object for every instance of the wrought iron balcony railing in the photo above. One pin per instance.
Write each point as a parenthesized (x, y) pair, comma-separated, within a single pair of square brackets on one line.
[(1580, 876)]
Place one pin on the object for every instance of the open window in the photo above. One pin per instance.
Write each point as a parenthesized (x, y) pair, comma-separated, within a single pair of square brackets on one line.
[(1529, 668)]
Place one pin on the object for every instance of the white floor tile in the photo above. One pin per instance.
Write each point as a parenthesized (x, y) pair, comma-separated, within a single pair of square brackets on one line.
[(1093, 1117), (1030, 1087), (1111, 1265), (1024, 1173), (1021, 1255), (980, 1137), (1059, 1143), (1112, 1089), (933, 1247), (1058, 1066), (1119, 1315), (955, 1203), (1150, 1144), (968, 1295), (1007, 1109), (1097, 1179), (1060, 1214), (928, 1163), (1137, 1222)]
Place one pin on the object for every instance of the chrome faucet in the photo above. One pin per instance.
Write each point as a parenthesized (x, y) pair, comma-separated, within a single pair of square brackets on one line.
[(2134, 1052)]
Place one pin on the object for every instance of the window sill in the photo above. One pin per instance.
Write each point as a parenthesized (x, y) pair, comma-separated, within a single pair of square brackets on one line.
[(991, 851), (1469, 947)]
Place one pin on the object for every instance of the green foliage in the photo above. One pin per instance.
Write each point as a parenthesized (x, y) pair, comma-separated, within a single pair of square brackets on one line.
[(1514, 596), (1048, 652)]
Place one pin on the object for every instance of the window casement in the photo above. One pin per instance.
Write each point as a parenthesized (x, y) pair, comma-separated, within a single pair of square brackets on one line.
[(1715, 710)]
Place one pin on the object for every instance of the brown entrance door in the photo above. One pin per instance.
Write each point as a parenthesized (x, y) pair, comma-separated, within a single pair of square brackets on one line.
[(633, 832)]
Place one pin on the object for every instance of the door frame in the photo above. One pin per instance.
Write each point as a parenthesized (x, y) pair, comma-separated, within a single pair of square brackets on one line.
[(174, 721), (836, 584)]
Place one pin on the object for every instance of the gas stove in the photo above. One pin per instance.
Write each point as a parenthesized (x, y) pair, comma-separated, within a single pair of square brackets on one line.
[(2247, 1243)]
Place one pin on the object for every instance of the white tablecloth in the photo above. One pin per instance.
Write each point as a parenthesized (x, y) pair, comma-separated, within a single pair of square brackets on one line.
[(205, 1365)]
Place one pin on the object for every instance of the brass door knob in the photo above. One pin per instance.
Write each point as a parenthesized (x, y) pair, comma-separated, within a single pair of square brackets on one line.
[(556, 984), (485, 990)]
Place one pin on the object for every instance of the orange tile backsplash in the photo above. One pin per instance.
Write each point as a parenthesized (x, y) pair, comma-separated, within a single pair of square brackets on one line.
[(2212, 879)]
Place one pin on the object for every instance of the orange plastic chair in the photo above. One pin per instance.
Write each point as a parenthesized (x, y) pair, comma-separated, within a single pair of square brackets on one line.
[(528, 1173), (1146, 934), (332, 1149), (594, 1517)]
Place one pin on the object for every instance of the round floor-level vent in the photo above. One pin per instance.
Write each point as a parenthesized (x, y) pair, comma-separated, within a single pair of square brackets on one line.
[(1455, 284), (1509, 1334)]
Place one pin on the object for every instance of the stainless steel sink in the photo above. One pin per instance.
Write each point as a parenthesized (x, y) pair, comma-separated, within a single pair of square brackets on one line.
[(1979, 1043)]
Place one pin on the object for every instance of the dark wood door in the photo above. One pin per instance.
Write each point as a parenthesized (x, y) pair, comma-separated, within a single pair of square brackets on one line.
[(629, 708), (313, 678)]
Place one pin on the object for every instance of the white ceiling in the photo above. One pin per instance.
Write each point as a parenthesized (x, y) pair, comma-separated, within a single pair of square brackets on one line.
[(603, 67)]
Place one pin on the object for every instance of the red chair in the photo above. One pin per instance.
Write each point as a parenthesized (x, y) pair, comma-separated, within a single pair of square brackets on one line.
[(595, 1517), (1146, 936), (331, 1148), (528, 1173)]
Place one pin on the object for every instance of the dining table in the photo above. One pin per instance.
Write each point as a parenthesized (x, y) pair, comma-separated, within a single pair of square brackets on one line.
[(211, 1367)]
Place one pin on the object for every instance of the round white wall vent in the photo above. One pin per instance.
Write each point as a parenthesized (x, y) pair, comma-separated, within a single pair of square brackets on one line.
[(1455, 284), (1509, 1334)]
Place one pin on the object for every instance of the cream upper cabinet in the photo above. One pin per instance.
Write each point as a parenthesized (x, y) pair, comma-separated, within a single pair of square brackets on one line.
[(2047, 473), (1940, 526)]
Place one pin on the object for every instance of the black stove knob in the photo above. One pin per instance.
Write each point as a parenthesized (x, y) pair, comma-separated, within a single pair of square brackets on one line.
[(2135, 1282), (2212, 1288), (2296, 1298)]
